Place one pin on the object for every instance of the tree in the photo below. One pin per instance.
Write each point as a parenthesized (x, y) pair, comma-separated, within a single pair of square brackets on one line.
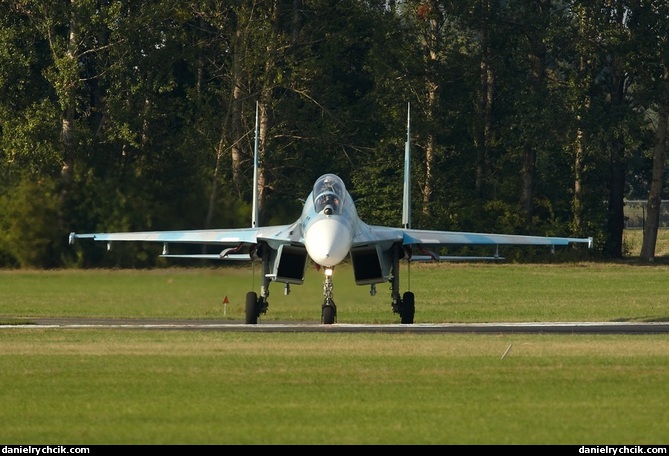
[(607, 127), (649, 23)]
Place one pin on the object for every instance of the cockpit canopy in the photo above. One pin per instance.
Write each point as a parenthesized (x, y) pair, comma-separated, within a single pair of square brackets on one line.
[(329, 193)]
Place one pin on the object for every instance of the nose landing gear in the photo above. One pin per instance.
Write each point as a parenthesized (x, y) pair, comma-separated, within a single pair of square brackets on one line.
[(329, 309)]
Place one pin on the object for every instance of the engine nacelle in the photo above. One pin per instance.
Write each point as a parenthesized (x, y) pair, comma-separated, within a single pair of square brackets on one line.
[(370, 265), (289, 264)]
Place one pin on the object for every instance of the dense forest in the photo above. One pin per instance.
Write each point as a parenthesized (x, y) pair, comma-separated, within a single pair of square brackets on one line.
[(527, 116)]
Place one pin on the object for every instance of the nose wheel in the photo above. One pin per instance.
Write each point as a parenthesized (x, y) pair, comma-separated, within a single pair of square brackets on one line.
[(329, 313)]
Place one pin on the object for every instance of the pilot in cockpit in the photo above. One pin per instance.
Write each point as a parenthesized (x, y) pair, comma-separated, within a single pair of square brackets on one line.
[(330, 203), (329, 199), (329, 192)]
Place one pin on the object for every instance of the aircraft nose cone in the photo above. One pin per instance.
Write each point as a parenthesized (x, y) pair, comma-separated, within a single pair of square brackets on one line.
[(328, 241)]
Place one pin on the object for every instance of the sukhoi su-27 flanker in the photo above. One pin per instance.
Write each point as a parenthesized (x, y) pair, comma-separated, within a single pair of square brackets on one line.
[(328, 231)]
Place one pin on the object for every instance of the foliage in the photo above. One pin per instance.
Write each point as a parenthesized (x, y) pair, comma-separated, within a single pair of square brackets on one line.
[(144, 112), (30, 235)]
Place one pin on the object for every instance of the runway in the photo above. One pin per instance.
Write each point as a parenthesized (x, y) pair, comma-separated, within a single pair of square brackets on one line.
[(416, 328)]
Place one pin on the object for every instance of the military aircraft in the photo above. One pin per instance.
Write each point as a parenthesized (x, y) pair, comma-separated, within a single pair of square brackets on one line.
[(328, 231)]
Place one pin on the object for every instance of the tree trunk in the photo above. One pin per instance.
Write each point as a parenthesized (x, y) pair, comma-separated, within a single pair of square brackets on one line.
[(536, 90), (430, 15), (613, 246), (211, 206), (577, 201), (236, 130), (655, 196), (429, 153), (269, 80), (68, 114), (483, 135), (527, 175), (262, 183), (582, 85)]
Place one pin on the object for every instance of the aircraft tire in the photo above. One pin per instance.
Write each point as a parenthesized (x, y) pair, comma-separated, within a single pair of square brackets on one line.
[(251, 308), (408, 308), (328, 316)]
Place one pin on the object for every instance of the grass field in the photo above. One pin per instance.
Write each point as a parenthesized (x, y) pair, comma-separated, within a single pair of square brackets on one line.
[(202, 387), (444, 293), (633, 240), (110, 386)]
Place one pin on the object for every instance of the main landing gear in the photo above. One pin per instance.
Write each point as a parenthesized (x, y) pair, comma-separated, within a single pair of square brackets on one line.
[(403, 305), (254, 307), (258, 305)]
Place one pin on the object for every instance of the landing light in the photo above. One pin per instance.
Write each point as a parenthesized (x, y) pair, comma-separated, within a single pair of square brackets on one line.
[(328, 272)]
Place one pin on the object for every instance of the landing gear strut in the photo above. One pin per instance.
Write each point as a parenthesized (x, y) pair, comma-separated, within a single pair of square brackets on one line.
[(258, 305), (404, 306), (329, 309)]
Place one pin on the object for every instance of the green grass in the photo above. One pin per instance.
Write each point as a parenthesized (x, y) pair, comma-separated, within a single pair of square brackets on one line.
[(108, 386), (444, 293), (633, 240), (183, 387)]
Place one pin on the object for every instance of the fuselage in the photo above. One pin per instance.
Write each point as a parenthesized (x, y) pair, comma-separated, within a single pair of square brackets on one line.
[(329, 221)]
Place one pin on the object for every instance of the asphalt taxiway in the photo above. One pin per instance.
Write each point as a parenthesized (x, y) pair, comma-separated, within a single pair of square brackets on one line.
[(273, 326)]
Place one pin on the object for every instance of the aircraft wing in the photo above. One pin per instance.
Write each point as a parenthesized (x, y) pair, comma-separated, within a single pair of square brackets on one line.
[(436, 238), (233, 238), (429, 237), (422, 240)]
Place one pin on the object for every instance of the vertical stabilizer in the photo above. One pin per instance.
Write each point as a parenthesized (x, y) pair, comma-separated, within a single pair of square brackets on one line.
[(254, 216), (406, 200)]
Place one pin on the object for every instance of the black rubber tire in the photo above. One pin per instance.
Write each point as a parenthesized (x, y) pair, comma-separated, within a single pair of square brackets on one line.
[(251, 308), (408, 308), (328, 315)]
